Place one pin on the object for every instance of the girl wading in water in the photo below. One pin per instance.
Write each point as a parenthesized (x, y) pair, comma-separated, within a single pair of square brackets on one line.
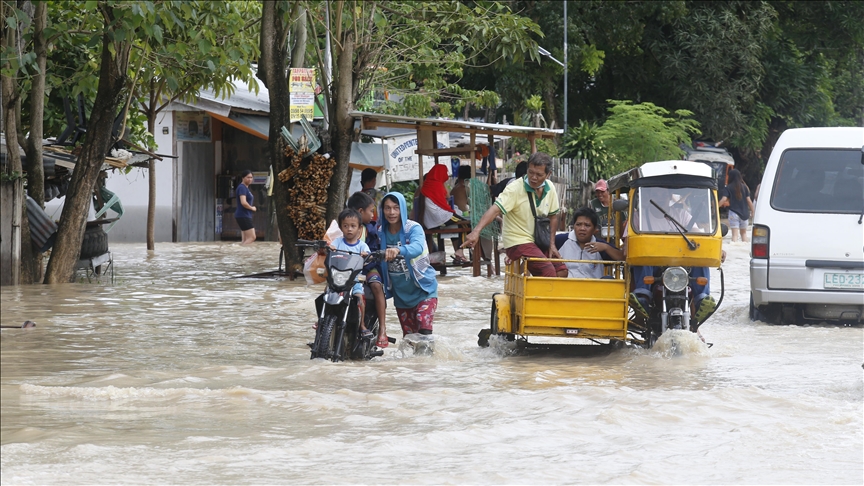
[(408, 276)]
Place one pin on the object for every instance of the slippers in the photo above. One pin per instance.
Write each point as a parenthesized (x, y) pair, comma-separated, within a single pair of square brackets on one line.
[(383, 342), (366, 334), (460, 260)]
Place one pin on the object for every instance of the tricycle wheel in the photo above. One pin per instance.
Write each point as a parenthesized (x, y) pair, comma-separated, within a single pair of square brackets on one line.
[(484, 334)]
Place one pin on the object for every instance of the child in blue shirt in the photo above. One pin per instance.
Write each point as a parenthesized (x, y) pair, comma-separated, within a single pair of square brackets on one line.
[(351, 224), (365, 205)]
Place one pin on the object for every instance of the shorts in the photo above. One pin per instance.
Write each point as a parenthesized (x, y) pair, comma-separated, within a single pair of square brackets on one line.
[(537, 269), (418, 317), (735, 221), (374, 276), (245, 224)]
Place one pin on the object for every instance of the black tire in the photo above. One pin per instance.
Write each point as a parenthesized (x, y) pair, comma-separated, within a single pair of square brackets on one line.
[(323, 343), (95, 242)]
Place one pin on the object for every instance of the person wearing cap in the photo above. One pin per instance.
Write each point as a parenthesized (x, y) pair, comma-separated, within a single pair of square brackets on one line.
[(600, 205)]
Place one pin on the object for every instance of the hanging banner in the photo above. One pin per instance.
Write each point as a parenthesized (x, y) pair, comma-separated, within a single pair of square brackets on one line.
[(301, 87), (192, 126), (404, 164)]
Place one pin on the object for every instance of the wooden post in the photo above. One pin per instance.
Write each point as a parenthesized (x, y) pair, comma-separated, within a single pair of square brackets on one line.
[(533, 141)]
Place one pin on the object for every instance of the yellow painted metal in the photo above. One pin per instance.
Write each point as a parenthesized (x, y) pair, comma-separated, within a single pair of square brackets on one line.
[(569, 307), (665, 250), (504, 312), (672, 250)]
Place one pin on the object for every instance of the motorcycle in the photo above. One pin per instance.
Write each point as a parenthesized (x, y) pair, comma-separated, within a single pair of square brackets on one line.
[(675, 235), (338, 335)]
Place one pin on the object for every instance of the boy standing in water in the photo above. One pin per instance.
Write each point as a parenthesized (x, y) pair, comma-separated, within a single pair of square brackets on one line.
[(365, 206), (350, 222)]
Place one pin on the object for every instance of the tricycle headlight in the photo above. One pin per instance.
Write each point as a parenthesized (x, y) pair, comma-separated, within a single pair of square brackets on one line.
[(340, 278), (675, 279)]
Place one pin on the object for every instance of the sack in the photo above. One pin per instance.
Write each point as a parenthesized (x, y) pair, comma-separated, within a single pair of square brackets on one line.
[(542, 229), (310, 269), (316, 261)]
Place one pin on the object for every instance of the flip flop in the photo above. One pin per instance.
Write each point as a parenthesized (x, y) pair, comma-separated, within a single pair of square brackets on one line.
[(383, 342), (460, 260)]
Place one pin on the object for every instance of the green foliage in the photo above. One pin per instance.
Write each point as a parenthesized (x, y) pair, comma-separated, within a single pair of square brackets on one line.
[(421, 47), (544, 145), (534, 103), (408, 189), (582, 142), (635, 134)]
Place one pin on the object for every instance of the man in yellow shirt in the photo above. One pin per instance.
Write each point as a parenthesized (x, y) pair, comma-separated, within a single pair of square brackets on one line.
[(515, 206)]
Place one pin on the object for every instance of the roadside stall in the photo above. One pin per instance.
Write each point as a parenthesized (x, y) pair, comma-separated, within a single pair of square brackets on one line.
[(427, 131)]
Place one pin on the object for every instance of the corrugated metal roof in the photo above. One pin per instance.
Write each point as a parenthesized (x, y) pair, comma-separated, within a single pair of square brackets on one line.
[(455, 125)]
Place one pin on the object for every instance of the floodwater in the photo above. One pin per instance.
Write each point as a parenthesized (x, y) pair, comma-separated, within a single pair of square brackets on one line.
[(179, 374)]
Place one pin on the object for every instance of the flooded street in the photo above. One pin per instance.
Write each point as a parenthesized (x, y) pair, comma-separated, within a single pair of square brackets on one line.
[(179, 374)]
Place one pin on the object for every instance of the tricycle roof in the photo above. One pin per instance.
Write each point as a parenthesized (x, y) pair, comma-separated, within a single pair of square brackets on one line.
[(678, 173)]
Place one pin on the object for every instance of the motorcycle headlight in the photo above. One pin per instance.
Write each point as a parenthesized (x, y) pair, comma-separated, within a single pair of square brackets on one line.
[(340, 278), (675, 279)]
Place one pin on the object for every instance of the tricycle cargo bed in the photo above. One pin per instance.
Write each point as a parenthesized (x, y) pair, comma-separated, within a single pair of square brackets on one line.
[(570, 307)]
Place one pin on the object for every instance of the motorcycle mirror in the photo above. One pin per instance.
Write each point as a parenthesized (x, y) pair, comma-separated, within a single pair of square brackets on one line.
[(620, 205), (723, 229)]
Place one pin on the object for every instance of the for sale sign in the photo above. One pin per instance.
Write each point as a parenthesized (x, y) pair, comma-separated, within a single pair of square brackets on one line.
[(301, 86)]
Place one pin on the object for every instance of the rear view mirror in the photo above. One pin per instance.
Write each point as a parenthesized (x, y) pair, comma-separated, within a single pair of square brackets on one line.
[(620, 205), (724, 229)]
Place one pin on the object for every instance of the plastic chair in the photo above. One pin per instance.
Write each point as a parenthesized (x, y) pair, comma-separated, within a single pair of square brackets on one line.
[(112, 202)]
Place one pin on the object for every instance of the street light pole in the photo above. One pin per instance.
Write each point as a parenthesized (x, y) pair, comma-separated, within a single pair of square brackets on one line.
[(544, 52), (565, 66)]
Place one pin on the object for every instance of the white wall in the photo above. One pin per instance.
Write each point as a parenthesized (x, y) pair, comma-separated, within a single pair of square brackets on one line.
[(134, 188)]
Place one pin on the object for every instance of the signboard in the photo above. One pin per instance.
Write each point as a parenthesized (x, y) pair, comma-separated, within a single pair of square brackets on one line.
[(301, 87), (192, 126), (404, 163)]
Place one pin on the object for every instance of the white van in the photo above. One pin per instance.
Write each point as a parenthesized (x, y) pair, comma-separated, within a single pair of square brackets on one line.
[(807, 250)]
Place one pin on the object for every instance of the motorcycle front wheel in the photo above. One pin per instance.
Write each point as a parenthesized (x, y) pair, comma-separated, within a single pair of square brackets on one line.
[(324, 342)]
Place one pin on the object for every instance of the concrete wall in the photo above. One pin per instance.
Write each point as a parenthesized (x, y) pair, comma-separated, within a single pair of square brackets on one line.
[(134, 189)]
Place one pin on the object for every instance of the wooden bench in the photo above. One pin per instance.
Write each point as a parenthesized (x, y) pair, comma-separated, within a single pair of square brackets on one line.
[(438, 234)]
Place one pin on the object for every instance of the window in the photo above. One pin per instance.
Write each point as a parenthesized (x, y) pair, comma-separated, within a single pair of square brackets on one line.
[(819, 181), (694, 208)]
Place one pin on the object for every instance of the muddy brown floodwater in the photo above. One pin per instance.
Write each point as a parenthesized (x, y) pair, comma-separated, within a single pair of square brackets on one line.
[(180, 374)]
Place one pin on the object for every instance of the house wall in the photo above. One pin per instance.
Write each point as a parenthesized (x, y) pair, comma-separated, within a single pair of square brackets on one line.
[(134, 191)]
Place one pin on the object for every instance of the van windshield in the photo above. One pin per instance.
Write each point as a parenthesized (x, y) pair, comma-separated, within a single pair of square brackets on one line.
[(694, 208), (819, 181)]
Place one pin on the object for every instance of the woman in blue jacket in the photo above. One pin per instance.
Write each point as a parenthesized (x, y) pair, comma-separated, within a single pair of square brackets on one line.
[(408, 276)]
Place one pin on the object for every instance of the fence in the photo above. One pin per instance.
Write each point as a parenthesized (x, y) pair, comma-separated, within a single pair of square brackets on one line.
[(571, 177)]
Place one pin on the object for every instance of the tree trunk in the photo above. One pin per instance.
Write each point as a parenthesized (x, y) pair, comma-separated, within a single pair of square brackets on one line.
[(31, 260), (73, 219), (151, 174), (9, 96), (342, 129), (272, 71)]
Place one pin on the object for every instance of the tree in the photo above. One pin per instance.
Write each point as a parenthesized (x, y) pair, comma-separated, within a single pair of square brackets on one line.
[(121, 23), (411, 47), (641, 133), (277, 21), (192, 45)]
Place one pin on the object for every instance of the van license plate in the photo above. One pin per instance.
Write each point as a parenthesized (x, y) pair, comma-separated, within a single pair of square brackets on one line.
[(844, 281)]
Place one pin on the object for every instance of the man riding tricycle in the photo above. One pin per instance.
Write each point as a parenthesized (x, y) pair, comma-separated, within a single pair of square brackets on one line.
[(672, 237)]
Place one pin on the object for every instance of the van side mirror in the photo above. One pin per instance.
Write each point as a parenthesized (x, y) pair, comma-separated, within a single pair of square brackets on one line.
[(724, 229), (620, 205)]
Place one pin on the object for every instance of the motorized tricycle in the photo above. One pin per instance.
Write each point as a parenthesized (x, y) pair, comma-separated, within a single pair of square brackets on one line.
[(671, 237), (338, 333)]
